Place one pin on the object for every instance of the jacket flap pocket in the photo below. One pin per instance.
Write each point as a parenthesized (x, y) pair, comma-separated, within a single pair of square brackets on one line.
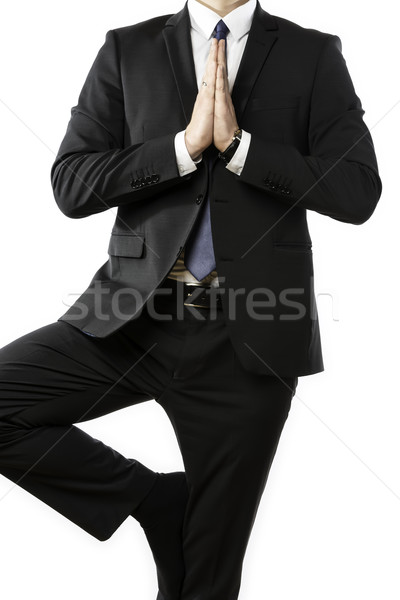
[(129, 246), (294, 246)]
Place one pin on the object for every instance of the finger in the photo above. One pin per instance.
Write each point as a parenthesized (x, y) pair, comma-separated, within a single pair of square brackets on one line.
[(212, 55), (220, 85), (211, 67), (222, 61), (221, 53)]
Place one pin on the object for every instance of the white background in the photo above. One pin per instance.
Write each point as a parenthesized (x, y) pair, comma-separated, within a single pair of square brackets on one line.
[(329, 525)]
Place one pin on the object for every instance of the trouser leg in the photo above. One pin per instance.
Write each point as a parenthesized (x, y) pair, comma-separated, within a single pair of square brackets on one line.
[(228, 423), (57, 376)]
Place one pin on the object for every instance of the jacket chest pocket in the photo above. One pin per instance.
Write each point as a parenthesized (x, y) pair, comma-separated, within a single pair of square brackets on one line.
[(274, 103), (274, 117)]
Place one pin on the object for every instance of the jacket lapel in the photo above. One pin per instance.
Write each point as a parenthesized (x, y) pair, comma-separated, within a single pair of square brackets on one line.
[(179, 47), (262, 36)]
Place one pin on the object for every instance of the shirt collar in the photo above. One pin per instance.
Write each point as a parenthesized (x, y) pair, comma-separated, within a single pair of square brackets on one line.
[(204, 20)]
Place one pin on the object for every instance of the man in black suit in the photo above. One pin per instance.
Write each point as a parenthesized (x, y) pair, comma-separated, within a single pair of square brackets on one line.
[(212, 131)]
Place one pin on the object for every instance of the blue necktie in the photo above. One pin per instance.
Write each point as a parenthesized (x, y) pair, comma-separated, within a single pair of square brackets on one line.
[(199, 251)]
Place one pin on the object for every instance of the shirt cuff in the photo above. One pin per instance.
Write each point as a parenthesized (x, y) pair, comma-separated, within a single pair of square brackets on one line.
[(183, 159), (236, 164)]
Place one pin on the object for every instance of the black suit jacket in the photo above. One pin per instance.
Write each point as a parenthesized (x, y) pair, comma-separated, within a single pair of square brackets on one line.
[(310, 149)]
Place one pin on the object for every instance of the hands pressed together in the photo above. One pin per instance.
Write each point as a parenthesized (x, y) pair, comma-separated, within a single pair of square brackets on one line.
[(213, 120)]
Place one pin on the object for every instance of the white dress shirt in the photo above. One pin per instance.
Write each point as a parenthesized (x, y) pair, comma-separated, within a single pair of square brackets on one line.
[(203, 22)]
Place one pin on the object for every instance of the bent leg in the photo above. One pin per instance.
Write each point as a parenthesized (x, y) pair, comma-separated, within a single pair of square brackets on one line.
[(57, 376)]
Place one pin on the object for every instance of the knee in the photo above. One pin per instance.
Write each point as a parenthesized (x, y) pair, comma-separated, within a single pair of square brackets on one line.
[(9, 431)]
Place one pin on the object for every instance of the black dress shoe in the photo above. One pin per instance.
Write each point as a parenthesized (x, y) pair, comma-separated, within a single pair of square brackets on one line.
[(161, 514)]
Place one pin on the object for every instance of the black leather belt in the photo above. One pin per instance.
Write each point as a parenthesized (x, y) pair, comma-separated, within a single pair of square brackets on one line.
[(201, 297)]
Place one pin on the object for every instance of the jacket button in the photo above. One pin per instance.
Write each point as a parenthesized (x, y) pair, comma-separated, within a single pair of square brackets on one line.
[(199, 199)]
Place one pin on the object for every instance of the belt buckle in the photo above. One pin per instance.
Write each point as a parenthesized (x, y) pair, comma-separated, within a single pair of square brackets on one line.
[(202, 299)]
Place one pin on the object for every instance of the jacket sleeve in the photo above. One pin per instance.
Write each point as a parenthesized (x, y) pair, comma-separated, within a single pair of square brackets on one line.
[(93, 171), (339, 178)]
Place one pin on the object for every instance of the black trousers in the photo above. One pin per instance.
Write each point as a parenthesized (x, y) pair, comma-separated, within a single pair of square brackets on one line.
[(227, 422)]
